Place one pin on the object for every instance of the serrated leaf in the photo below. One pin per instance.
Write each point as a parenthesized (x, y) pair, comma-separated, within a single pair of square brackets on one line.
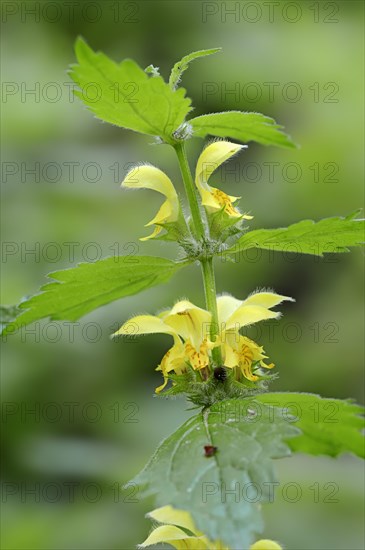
[(183, 64), (214, 489), (329, 426), (241, 126), (123, 94), (82, 289), (305, 237)]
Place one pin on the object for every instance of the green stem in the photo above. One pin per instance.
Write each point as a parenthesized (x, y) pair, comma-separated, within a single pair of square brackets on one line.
[(190, 191), (211, 304), (201, 233)]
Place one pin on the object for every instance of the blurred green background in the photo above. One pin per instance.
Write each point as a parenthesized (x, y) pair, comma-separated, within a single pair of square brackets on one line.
[(95, 421)]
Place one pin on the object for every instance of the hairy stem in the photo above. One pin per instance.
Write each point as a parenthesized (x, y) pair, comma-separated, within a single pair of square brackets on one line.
[(211, 304), (200, 233), (199, 229)]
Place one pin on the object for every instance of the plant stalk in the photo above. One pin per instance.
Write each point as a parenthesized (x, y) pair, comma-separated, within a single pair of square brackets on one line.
[(190, 191), (200, 234), (211, 304)]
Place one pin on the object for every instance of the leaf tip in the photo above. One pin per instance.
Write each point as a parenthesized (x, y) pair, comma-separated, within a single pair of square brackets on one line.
[(81, 48)]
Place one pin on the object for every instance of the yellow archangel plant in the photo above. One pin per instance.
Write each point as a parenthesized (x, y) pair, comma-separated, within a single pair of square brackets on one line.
[(207, 343), (240, 427), (202, 337)]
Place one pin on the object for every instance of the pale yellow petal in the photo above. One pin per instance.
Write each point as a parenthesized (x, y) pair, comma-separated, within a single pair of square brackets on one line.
[(226, 305), (144, 324), (267, 299), (174, 359), (248, 315), (172, 516), (266, 544), (212, 157), (198, 357), (257, 350), (265, 366), (240, 351), (230, 356), (149, 177), (165, 213), (214, 199), (182, 306), (174, 520), (162, 386), (190, 322), (170, 535), (163, 313), (219, 199), (247, 371), (208, 199), (154, 234)]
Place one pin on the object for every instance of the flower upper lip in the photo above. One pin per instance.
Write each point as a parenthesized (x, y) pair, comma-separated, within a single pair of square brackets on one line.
[(213, 156), (213, 199), (150, 177)]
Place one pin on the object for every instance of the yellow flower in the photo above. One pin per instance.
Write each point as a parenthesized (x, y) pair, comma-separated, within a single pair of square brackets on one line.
[(266, 544), (187, 324), (211, 158), (150, 177), (239, 351), (172, 531)]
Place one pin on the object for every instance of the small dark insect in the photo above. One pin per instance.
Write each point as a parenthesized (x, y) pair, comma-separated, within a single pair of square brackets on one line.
[(220, 373), (210, 450)]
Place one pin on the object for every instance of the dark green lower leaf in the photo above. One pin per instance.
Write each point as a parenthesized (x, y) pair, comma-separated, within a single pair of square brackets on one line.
[(221, 487)]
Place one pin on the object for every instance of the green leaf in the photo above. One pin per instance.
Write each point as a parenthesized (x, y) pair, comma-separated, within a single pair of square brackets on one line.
[(82, 289), (183, 64), (221, 492), (305, 237), (241, 126), (329, 426), (123, 94)]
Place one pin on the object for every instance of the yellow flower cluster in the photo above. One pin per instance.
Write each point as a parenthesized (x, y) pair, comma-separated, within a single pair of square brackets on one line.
[(213, 199), (175, 523), (189, 325)]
